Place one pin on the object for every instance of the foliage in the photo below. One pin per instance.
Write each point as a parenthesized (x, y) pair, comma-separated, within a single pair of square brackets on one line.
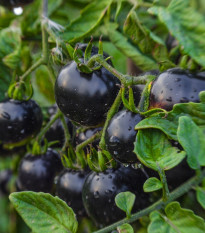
[(149, 35)]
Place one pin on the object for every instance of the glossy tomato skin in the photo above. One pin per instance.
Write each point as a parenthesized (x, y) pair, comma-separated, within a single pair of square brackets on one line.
[(85, 98), (37, 172), (100, 189), (175, 86), (179, 174), (120, 136), (14, 3), (5, 177), (19, 120), (69, 188)]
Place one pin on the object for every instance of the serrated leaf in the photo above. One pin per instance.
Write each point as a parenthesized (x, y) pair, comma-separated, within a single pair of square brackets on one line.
[(125, 202), (44, 213), (125, 228), (121, 42), (200, 195), (177, 220), (169, 124), (152, 184), (178, 17), (192, 140), (154, 150), (140, 34), (90, 18)]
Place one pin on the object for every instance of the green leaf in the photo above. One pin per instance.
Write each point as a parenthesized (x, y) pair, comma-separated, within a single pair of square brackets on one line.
[(90, 18), (140, 34), (200, 195), (177, 220), (192, 139), (43, 86), (169, 124), (152, 184), (154, 150), (5, 78), (178, 17), (125, 202), (44, 213), (125, 228), (121, 42)]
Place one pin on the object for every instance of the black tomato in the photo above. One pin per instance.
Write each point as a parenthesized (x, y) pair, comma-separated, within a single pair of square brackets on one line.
[(19, 120), (83, 136), (85, 98), (56, 131), (179, 174), (175, 86), (5, 177), (14, 3), (120, 136), (69, 188), (100, 189), (37, 172)]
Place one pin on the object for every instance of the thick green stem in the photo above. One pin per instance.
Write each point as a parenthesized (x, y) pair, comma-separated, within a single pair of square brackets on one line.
[(126, 80), (88, 141), (67, 134), (165, 189), (48, 125), (110, 114), (31, 69), (159, 204)]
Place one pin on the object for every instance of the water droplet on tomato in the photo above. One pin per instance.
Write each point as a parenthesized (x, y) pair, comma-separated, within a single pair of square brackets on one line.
[(96, 195), (6, 115)]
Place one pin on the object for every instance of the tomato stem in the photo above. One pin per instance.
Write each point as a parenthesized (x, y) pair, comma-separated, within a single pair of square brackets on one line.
[(110, 114), (126, 80)]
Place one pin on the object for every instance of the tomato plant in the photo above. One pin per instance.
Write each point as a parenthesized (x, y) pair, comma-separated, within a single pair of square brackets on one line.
[(102, 116)]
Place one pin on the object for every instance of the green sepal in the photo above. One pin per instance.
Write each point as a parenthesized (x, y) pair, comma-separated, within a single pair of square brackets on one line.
[(84, 68), (131, 101), (100, 50), (88, 51), (70, 50), (101, 161)]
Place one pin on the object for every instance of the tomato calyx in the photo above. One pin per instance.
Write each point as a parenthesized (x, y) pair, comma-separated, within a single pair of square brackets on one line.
[(20, 91), (87, 65)]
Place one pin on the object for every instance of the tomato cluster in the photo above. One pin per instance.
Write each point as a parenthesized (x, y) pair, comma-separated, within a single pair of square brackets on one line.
[(84, 99)]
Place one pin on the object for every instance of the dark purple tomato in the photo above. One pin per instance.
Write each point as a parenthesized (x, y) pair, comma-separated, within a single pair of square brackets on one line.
[(19, 120), (175, 86), (83, 136), (137, 92), (37, 172), (85, 98), (179, 174), (69, 188), (14, 3), (5, 177), (121, 134), (100, 189), (56, 131)]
